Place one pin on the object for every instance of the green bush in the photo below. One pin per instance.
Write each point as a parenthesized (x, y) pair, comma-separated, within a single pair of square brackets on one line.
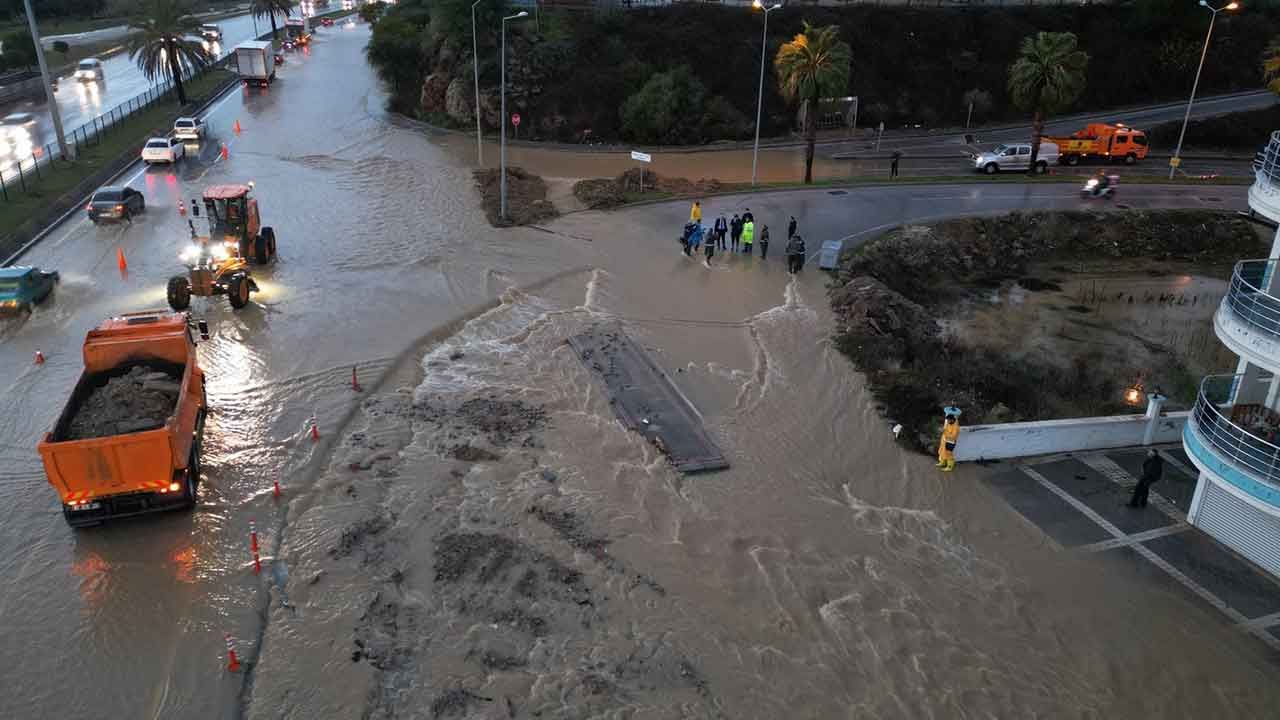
[(674, 108), (19, 50), (395, 50), (1242, 131)]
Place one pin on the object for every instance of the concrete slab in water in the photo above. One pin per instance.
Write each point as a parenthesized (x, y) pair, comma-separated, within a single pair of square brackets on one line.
[(1102, 496), (1220, 572), (1050, 513), (1175, 486), (646, 400)]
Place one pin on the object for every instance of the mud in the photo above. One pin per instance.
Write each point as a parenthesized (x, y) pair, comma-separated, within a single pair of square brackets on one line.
[(527, 200), (605, 193), (143, 398)]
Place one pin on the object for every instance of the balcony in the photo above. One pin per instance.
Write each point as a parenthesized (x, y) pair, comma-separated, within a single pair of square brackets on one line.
[(1264, 194), (1238, 442), (1248, 319)]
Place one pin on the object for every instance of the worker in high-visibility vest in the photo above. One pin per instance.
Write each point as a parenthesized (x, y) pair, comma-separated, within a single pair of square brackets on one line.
[(695, 213), (947, 444)]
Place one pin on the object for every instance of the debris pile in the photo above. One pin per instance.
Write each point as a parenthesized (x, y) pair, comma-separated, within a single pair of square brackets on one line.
[(141, 399)]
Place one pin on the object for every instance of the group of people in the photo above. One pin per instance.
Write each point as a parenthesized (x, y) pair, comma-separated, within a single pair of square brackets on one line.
[(738, 235)]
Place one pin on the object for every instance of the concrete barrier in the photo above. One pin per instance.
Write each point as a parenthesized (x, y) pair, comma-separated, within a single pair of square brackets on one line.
[(1008, 440)]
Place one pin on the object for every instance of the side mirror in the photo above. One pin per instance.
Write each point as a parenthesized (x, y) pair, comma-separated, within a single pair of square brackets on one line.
[(204, 329)]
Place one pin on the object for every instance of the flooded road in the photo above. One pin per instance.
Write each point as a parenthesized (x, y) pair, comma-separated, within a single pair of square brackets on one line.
[(474, 535)]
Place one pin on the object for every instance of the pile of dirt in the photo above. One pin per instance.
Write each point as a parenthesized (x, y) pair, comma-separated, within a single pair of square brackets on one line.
[(527, 201), (604, 193), (141, 399), (899, 299)]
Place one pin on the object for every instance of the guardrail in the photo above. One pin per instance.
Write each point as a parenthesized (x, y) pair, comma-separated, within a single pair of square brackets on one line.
[(1248, 298), (1246, 449), (1266, 164)]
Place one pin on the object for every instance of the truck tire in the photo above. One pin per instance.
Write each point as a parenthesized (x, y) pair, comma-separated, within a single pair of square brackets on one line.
[(991, 168), (238, 291), (192, 482), (260, 251), (179, 292), (1130, 159), (269, 237), (1073, 160)]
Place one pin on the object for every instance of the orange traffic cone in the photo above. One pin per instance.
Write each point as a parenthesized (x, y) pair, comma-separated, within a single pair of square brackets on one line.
[(315, 430), (182, 208), (355, 381), (233, 662), (275, 488), (39, 358), (120, 261), (223, 153), (237, 127)]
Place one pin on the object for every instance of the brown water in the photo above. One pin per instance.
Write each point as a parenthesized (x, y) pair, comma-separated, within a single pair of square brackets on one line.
[(563, 570)]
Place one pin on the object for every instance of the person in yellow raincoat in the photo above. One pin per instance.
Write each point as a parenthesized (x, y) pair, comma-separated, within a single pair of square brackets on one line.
[(695, 213), (947, 444)]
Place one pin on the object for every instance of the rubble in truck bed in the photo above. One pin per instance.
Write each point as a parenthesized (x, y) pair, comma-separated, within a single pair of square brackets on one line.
[(141, 399)]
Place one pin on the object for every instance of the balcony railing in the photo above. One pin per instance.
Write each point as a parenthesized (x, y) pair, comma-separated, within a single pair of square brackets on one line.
[(1251, 449), (1247, 299), (1266, 164)]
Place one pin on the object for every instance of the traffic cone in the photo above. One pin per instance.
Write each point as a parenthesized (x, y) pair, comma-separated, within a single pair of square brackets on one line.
[(39, 358), (120, 261), (237, 127), (223, 152), (355, 381), (233, 662), (182, 208), (253, 544), (315, 431), (275, 488)]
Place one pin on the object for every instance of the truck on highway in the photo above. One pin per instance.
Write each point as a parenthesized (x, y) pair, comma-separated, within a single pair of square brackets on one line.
[(255, 62), (298, 30), (1102, 141), (128, 440)]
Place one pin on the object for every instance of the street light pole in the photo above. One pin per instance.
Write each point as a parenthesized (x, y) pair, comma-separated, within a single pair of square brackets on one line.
[(764, 46), (475, 67), (502, 187), (1177, 153), (67, 153)]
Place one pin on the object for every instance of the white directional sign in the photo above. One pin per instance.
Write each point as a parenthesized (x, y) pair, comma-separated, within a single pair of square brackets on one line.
[(642, 157)]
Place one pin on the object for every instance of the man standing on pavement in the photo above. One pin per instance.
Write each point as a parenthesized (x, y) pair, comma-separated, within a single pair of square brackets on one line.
[(893, 165), (795, 254), (764, 241), (711, 248), (721, 229), (735, 232), (791, 227), (1152, 469), (748, 234), (695, 213)]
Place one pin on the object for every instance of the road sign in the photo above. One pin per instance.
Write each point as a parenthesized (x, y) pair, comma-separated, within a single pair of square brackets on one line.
[(515, 119), (642, 157)]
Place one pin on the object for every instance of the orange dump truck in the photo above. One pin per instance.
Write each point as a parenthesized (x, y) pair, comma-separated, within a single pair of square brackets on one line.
[(128, 440), (1103, 141)]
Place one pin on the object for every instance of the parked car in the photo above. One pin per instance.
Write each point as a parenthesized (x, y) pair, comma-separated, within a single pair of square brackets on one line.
[(327, 22), (211, 32), (115, 202), (167, 150), (89, 70), (1015, 156), (188, 128), (21, 287)]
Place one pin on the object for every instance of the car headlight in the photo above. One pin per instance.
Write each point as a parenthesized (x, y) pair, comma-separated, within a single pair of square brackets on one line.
[(191, 253), (219, 252)]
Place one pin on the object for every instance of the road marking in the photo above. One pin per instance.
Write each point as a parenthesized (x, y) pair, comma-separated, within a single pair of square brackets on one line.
[(1111, 470), (1133, 539), (1263, 621)]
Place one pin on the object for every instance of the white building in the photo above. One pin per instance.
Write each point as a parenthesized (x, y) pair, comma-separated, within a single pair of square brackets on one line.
[(1233, 434)]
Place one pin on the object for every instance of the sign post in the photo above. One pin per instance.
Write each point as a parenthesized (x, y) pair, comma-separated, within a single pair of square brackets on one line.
[(968, 117), (515, 121), (878, 134), (853, 125), (643, 158)]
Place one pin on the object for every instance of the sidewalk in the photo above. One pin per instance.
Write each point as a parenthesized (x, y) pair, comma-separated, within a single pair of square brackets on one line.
[(1078, 502)]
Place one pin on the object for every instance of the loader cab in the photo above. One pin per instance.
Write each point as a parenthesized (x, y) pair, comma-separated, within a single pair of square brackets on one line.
[(232, 214)]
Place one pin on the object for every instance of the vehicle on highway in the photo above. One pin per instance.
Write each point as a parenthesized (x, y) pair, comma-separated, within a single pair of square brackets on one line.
[(298, 30), (22, 122), (1094, 187), (1113, 143), (218, 263), (327, 22), (163, 149), (115, 202), (128, 440), (253, 62), (89, 70), (1015, 156), (211, 32), (188, 128), (22, 287)]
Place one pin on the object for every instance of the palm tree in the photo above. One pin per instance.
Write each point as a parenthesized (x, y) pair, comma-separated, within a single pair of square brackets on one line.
[(1048, 76), (813, 65), (1271, 65), (269, 9), (164, 42)]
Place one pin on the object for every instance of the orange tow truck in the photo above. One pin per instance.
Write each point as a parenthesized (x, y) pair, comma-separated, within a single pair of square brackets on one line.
[(1117, 142), (128, 441)]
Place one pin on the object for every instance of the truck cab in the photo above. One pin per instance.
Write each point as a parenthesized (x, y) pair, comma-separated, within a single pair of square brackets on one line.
[(1112, 142)]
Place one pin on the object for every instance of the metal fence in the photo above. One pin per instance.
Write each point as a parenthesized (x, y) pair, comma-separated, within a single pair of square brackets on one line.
[(21, 168), (1266, 164), (1252, 451), (1249, 297)]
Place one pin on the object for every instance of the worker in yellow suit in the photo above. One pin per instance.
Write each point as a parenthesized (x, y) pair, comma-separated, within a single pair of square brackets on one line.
[(695, 214), (947, 444)]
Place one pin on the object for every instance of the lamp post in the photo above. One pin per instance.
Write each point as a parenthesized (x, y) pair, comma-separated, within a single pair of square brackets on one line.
[(48, 85), (1177, 154), (475, 67), (764, 46), (502, 186)]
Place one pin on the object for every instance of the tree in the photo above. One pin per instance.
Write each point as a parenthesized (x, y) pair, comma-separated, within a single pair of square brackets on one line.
[(980, 100), (19, 49), (813, 65), (164, 42), (1271, 66), (1047, 77), (269, 9), (370, 11)]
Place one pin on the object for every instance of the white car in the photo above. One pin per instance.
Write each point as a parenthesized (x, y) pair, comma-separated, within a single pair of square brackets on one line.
[(89, 70), (166, 150), (188, 128), (1015, 156)]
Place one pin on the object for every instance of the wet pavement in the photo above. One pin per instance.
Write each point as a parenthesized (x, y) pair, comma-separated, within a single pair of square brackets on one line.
[(475, 532)]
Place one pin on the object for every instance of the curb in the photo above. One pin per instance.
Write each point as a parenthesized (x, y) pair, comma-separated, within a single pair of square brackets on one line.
[(231, 83)]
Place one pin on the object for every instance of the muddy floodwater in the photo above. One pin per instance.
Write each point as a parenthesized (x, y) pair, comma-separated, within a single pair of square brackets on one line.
[(474, 534)]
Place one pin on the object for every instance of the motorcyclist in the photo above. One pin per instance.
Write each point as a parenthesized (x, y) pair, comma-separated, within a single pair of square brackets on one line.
[(1104, 182)]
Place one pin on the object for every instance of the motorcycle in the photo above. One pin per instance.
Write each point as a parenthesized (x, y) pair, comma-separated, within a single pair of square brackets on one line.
[(1094, 189)]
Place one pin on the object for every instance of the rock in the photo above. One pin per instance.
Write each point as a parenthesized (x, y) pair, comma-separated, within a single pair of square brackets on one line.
[(459, 101), (433, 91)]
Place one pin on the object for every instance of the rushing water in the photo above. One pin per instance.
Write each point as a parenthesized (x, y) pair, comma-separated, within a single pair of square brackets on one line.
[(475, 535)]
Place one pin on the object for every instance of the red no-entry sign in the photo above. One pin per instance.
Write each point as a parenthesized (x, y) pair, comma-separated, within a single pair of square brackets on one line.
[(515, 119)]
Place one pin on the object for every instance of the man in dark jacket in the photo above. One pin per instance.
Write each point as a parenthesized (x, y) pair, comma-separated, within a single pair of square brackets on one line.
[(735, 232), (1152, 469), (791, 227), (722, 229), (795, 254)]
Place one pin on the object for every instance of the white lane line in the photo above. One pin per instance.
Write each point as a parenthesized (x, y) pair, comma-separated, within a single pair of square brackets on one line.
[(1132, 539), (1111, 470), (1263, 621), (1200, 591)]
